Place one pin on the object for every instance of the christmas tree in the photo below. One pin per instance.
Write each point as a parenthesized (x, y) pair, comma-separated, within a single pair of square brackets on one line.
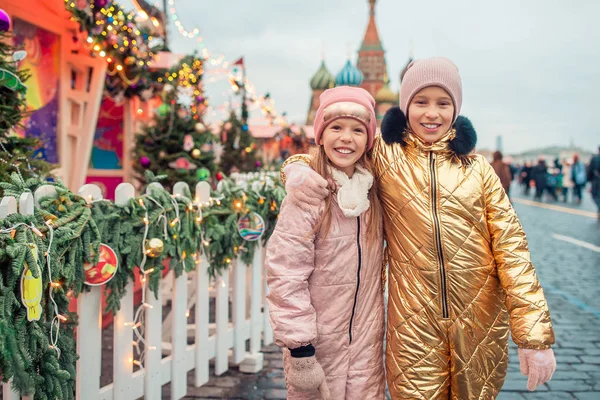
[(17, 154), (177, 144), (239, 147)]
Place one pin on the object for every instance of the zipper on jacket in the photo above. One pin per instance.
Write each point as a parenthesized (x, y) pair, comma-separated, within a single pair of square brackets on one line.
[(438, 235), (358, 279)]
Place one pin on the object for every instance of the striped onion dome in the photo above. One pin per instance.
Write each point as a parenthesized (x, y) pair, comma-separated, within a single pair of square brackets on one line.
[(349, 76), (322, 79), (385, 95)]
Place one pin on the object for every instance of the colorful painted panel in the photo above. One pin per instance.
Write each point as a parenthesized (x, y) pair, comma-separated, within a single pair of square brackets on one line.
[(108, 185), (107, 152), (43, 62)]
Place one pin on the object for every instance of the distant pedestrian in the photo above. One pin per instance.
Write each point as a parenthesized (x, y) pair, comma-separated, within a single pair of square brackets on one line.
[(502, 170), (567, 183), (594, 177), (579, 177), (539, 176), (525, 177)]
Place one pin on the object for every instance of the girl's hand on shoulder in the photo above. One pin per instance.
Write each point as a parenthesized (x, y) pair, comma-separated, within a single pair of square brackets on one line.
[(304, 186)]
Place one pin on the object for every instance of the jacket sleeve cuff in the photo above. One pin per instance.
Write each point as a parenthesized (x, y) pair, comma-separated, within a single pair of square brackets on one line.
[(534, 346), (303, 351)]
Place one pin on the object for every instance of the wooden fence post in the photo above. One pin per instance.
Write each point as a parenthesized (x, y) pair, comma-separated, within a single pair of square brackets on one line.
[(179, 326), (122, 342), (153, 337), (89, 330), (254, 360), (202, 301)]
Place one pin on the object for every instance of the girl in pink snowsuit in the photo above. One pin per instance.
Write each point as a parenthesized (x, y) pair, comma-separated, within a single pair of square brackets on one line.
[(324, 264)]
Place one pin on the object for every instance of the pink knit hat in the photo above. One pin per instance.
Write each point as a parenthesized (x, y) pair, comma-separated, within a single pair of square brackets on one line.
[(346, 94), (438, 71)]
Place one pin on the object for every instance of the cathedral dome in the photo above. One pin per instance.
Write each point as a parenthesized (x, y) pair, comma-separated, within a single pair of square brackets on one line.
[(385, 95), (349, 76), (322, 79)]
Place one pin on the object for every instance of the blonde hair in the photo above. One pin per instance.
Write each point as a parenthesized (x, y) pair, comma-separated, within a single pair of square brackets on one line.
[(320, 163)]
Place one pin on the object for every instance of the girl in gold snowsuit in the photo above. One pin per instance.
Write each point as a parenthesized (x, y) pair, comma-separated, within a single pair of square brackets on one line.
[(459, 267)]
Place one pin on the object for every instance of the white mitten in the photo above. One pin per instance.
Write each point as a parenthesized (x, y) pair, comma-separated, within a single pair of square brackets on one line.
[(538, 365), (304, 186)]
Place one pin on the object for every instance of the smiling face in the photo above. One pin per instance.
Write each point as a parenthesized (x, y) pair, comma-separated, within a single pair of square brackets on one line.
[(345, 141), (430, 113)]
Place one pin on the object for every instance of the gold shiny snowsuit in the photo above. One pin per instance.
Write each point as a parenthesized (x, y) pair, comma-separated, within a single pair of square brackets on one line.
[(459, 269)]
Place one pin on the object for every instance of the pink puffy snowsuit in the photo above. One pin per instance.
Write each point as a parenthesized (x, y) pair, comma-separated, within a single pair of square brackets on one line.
[(328, 292)]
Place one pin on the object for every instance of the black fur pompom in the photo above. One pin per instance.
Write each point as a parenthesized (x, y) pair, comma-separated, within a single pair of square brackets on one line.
[(466, 137), (393, 126)]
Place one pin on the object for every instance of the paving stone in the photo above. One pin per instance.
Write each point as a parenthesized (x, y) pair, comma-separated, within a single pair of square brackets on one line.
[(572, 352), (509, 396), (515, 376), (228, 382), (587, 395), (564, 375), (591, 359), (275, 394), (570, 385), (567, 359), (586, 367), (546, 396)]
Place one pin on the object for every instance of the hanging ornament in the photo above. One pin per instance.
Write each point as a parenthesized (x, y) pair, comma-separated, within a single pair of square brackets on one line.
[(206, 147), (202, 174), (11, 81), (31, 288), (227, 125), (100, 3), (258, 164), (185, 96), (4, 21), (251, 227), (196, 153), (219, 176), (144, 161), (183, 113), (200, 127), (163, 109), (188, 142), (105, 270), (129, 60), (168, 88), (182, 163), (154, 247), (218, 151), (162, 154)]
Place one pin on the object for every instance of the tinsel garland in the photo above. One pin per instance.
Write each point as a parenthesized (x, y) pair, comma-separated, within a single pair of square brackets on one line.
[(78, 226)]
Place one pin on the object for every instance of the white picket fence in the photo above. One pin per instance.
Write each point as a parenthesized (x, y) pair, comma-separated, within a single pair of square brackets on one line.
[(224, 341)]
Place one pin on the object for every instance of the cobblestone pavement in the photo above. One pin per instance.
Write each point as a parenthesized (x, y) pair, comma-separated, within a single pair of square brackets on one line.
[(570, 275)]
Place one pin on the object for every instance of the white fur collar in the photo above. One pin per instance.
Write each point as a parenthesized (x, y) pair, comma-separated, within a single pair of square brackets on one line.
[(353, 193)]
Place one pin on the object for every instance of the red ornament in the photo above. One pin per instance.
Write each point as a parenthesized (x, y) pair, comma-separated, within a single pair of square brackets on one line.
[(219, 176)]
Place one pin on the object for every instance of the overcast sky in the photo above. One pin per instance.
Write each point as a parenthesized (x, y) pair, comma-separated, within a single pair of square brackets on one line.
[(530, 68)]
